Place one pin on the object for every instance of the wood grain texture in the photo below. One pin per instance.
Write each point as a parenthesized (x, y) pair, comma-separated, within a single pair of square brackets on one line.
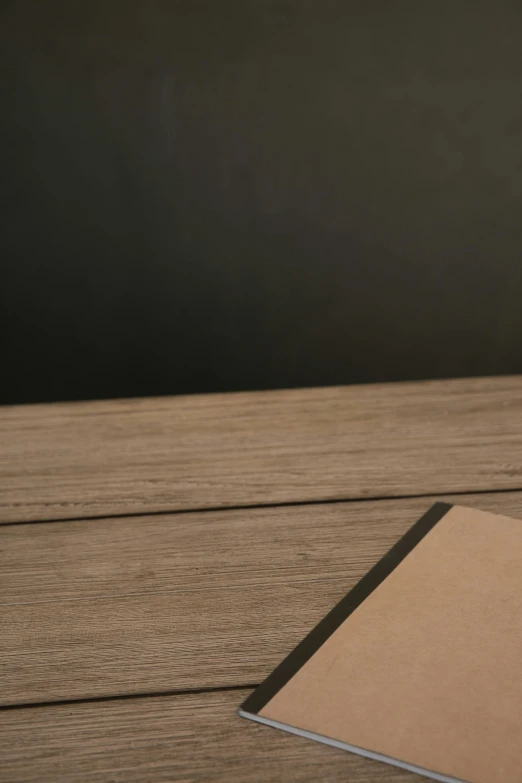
[(187, 739), (137, 456), (186, 601)]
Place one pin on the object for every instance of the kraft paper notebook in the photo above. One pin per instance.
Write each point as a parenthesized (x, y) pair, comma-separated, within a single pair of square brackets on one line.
[(420, 665)]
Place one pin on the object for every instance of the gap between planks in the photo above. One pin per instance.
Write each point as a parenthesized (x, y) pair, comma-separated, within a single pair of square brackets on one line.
[(289, 504)]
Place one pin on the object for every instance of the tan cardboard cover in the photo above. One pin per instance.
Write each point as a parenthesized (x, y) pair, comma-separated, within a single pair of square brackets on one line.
[(428, 669)]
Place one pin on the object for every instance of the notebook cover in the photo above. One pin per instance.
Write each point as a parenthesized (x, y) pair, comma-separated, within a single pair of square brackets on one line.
[(420, 664)]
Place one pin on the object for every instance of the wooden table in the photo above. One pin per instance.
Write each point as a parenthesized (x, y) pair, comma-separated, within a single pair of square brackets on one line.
[(159, 557)]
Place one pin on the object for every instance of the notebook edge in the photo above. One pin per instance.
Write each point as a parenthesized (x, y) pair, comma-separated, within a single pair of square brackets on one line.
[(440, 777)]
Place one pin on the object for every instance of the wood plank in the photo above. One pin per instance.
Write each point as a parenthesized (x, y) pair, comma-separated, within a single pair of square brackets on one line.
[(204, 551), (155, 642), (187, 601), (138, 456), (188, 739)]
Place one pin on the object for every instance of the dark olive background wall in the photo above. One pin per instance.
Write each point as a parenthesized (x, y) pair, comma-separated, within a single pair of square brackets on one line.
[(237, 194)]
